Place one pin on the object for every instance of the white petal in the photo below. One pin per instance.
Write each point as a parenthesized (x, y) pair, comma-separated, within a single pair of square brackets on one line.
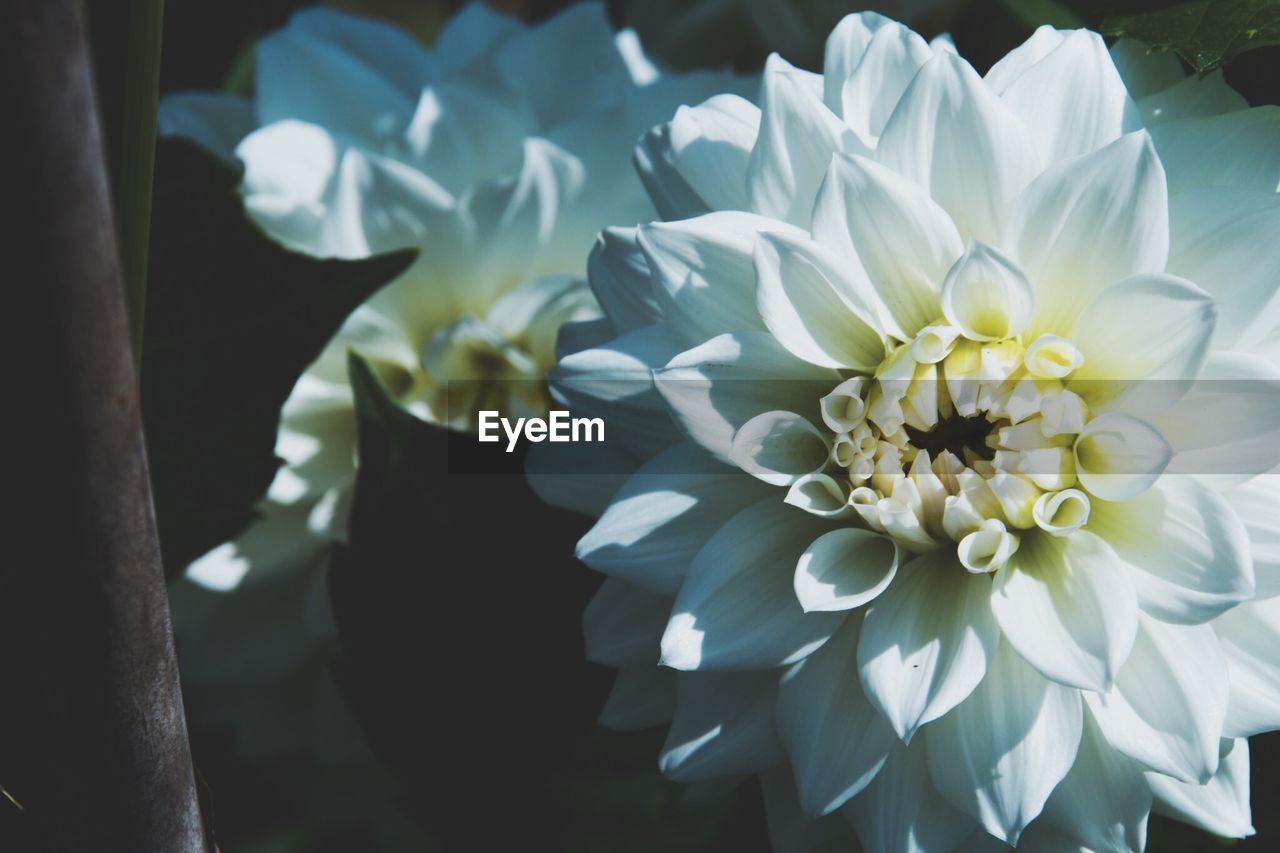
[(812, 308), (834, 737), (471, 34), (615, 382), (926, 641), (642, 696), (1104, 801), (1221, 239), (275, 543), (1087, 222), (1188, 550), (798, 135), (1167, 706), (1118, 456), (1066, 604), (575, 336), (843, 409), (1226, 427), (702, 272), (623, 624), (711, 146), (561, 84), (619, 277), (1043, 41), (1001, 752), (1073, 99), (845, 49), (643, 71), (951, 134), (985, 295), (1191, 97), (660, 517), (1257, 503), (1250, 635), (462, 133), (715, 388), (724, 724), (378, 204), (844, 569), (1235, 151), (535, 311), (736, 608), (300, 76), (288, 168), (820, 495), (1154, 328), (258, 634), (1220, 806), (563, 475), (779, 447), (885, 69), (902, 239), (902, 812), (383, 48), (510, 221), (216, 121), (669, 191)]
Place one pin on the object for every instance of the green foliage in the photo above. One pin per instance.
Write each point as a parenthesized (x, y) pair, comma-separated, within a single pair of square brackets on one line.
[(1205, 33), (234, 319)]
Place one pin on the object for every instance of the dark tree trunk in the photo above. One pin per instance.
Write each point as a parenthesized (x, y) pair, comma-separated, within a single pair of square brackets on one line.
[(92, 738)]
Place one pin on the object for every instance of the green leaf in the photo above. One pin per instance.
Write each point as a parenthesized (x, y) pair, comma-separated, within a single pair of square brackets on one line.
[(234, 319), (1205, 33)]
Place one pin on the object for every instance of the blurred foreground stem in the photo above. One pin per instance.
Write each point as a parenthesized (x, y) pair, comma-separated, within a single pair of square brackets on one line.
[(93, 741)]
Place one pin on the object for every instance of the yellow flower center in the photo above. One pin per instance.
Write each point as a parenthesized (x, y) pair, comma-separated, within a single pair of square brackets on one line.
[(965, 442)]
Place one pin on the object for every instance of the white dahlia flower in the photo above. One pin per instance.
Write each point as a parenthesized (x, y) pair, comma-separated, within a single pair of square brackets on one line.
[(499, 154), (949, 397)]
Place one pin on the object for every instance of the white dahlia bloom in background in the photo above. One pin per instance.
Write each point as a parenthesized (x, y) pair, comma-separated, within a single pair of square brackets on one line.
[(499, 155), (947, 398)]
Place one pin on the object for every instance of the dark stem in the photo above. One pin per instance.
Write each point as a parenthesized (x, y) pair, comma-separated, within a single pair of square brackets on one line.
[(93, 742)]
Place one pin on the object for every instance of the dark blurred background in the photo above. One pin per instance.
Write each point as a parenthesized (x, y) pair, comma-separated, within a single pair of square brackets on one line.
[(464, 673)]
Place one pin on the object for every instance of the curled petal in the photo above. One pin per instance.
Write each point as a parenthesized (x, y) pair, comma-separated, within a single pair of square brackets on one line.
[(1118, 456), (844, 569), (986, 296), (779, 448)]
